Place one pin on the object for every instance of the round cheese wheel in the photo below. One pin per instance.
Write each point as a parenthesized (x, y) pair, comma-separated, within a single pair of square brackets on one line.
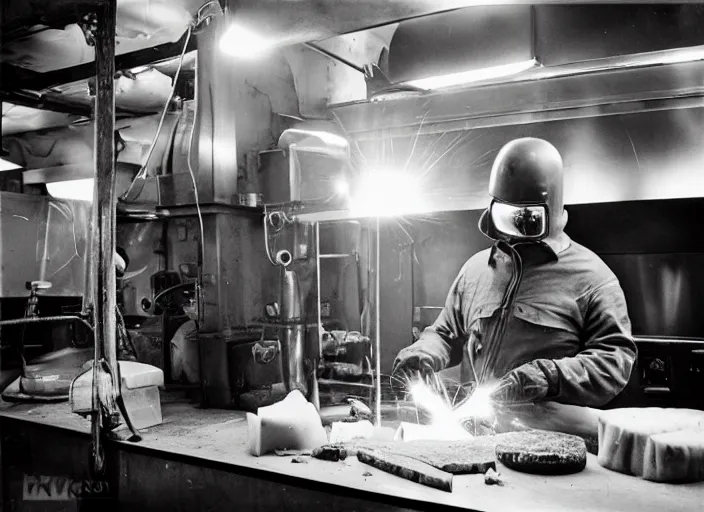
[(642, 441), (675, 456), (541, 452)]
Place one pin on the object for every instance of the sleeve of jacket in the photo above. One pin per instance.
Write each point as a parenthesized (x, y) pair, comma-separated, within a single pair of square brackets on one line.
[(439, 339), (601, 371)]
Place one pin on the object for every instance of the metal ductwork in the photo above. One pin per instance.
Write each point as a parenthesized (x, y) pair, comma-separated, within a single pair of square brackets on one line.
[(318, 156), (477, 38), (320, 137), (461, 41), (301, 21)]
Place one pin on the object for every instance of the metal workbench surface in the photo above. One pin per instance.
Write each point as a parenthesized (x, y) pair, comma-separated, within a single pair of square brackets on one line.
[(217, 438)]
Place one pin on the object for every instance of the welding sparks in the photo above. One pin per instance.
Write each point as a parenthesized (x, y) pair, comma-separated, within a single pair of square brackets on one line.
[(439, 410), (478, 406), (444, 424), (446, 419)]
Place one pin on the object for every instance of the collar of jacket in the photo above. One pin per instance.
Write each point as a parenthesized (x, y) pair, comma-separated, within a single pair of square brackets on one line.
[(550, 249)]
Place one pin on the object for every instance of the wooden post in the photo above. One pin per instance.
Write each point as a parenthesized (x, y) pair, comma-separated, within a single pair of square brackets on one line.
[(102, 265)]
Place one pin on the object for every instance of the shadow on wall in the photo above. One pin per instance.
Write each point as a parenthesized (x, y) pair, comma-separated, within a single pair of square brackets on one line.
[(648, 245)]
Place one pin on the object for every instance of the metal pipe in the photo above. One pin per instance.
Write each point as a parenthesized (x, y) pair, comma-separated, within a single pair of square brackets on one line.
[(335, 256), (291, 297), (318, 287), (284, 258), (334, 56), (377, 320), (292, 337), (42, 319)]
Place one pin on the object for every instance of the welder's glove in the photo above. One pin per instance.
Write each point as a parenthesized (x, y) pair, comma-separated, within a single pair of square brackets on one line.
[(410, 363), (527, 383)]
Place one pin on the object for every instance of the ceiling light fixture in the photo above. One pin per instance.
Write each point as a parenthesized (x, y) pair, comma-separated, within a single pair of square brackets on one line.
[(6, 165), (472, 76), (77, 190), (243, 43)]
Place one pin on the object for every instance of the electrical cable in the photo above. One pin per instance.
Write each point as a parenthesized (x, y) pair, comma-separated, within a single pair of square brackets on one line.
[(143, 171), (201, 252)]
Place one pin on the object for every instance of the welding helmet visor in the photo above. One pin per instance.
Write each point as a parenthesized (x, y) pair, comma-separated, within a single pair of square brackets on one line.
[(522, 222)]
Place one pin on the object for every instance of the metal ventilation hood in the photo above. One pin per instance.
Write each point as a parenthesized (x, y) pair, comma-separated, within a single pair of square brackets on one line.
[(464, 40), (592, 64)]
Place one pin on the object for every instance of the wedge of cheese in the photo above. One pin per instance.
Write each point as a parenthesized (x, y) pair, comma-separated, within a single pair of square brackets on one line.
[(648, 442)]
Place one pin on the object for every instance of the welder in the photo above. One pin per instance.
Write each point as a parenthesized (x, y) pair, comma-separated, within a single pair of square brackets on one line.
[(538, 316)]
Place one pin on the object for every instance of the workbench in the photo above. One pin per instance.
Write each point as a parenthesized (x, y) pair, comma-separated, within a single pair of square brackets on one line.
[(196, 460)]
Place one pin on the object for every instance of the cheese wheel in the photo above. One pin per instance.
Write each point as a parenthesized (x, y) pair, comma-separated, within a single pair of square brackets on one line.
[(626, 434), (675, 456)]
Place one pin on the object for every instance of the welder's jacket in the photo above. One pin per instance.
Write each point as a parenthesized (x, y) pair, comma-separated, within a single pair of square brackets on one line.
[(569, 312)]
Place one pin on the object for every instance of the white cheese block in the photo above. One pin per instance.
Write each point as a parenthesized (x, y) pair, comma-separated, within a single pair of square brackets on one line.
[(675, 457), (635, 441), (293, 424)]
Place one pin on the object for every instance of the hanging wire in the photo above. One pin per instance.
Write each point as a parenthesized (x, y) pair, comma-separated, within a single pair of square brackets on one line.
[(201, 251), (142, 174)]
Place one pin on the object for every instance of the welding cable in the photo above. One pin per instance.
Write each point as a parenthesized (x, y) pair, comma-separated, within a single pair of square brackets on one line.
[(505, 307), (470, 352), (142, 174), (201, 251)]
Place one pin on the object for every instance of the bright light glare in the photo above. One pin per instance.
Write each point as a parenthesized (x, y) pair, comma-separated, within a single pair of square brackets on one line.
[(242, 43), (387, 194), (342, 188), (444, 424), (80, 190), (477, 75), (478, 405), (6, 165), (433, 403)]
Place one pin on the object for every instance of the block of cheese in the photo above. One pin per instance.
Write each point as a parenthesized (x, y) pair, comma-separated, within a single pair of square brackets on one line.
[(675, 456), (642, 441), (292, 424)]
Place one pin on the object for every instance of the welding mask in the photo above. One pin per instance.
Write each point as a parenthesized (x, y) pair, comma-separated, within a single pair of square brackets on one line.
[(526, 187)]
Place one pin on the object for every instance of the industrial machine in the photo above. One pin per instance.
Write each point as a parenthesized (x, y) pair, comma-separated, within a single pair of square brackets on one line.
[(313, 338)]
